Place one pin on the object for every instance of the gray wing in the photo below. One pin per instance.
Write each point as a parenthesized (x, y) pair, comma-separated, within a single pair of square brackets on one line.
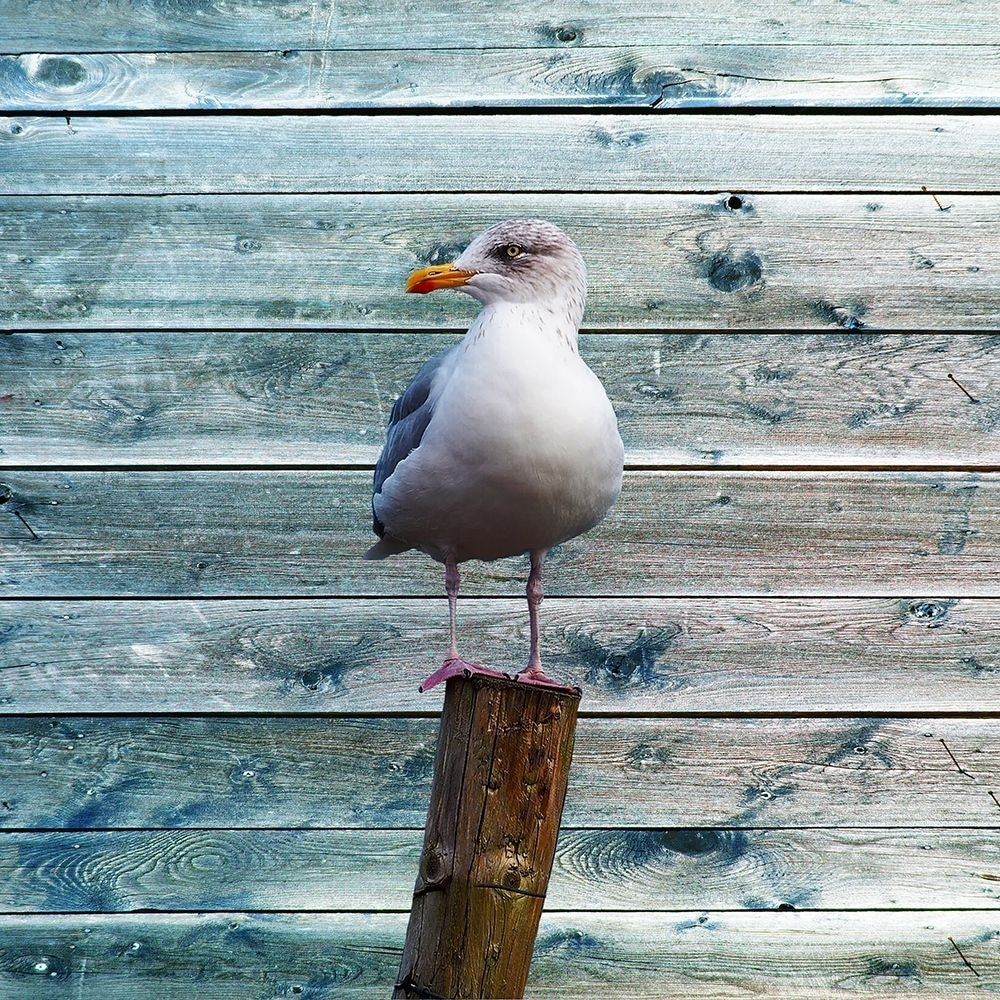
[(411, 414)]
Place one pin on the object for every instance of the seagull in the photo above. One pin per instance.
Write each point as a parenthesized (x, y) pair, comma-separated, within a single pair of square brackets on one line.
[(505, 443)]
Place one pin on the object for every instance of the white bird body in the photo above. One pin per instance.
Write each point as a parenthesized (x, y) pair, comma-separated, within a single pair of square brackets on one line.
[(506, 443), (522, 452)]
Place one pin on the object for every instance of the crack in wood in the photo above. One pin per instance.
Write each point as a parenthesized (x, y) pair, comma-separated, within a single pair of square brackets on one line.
[(961, 770), (507, 888), (20, 517), (432, 885), (962, 387), (411, 987), (941, 208), (971, 967)]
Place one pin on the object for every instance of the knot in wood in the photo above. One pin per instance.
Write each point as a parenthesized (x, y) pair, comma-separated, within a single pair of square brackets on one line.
[(512, 879), (931, 614), (554, 715), (59, 72), (729, 273), (434, 874), (433, 864)]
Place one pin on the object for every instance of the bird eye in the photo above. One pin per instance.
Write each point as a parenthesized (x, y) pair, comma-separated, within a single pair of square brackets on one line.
[(512, 250)]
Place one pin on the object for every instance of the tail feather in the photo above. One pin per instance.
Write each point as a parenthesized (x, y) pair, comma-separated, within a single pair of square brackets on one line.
[(386, 546)]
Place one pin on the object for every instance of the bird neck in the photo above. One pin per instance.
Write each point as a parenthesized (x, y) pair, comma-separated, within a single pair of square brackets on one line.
[(556, 320)]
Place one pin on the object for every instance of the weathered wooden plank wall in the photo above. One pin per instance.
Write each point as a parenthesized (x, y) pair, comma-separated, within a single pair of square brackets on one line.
[(232, 956), (788, 632), (545, 73), (294, 532), (248, 25), (433, 152), (652, 870), (722, 400), (691, 261), (629, 654), (350, 771)]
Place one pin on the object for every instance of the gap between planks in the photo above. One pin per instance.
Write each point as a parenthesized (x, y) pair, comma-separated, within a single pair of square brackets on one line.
[(553, 594), (717, 468), (488, 110), (764, 911), (713, 191), (747, 716), (568, 828)]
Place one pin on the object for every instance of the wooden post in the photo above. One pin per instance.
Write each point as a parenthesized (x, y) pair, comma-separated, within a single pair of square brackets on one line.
[(500, 778)]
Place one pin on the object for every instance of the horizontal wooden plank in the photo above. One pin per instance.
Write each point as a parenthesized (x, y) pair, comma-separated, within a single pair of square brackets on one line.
[(786, 956), (55, 25), (634, 870), (367, 154), (79, 772), (655, 261), (633, 654), (117, 398), (294, 532), (661, 76)]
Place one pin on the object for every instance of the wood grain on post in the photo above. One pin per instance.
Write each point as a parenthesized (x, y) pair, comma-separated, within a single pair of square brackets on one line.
[(499, 784)]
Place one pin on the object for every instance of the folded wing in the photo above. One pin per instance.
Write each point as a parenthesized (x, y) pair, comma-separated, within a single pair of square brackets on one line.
[(410, 417)]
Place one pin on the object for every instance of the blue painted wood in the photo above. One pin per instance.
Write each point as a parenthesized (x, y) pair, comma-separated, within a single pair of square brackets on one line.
[(723, 246), (630, 654), (301, 533), (219, 25), (662, 76), (355, 956), (638, 869), (844, 262), (260, 399), (79, 772), (369, 154)]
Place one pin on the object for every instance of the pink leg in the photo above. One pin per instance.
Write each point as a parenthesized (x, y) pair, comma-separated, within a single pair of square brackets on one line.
[(533, 673), (452, 579), (454, 665)]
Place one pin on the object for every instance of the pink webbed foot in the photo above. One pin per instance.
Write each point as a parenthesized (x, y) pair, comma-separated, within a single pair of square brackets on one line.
[(455, 666), (535, 675)]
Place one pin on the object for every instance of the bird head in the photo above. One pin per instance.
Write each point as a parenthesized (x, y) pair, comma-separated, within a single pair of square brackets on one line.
[(519, 260)]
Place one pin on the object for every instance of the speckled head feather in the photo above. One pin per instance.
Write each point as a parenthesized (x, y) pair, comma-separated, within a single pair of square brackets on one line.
[(526, 260)]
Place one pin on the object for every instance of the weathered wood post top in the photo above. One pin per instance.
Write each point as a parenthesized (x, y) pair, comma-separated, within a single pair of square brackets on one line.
[(500, 777)]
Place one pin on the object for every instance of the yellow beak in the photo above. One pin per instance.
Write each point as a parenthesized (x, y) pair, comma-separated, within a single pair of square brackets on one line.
[(430, 279)]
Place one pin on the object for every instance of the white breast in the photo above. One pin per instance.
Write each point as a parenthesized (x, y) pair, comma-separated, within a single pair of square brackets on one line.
[(523, 449)]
